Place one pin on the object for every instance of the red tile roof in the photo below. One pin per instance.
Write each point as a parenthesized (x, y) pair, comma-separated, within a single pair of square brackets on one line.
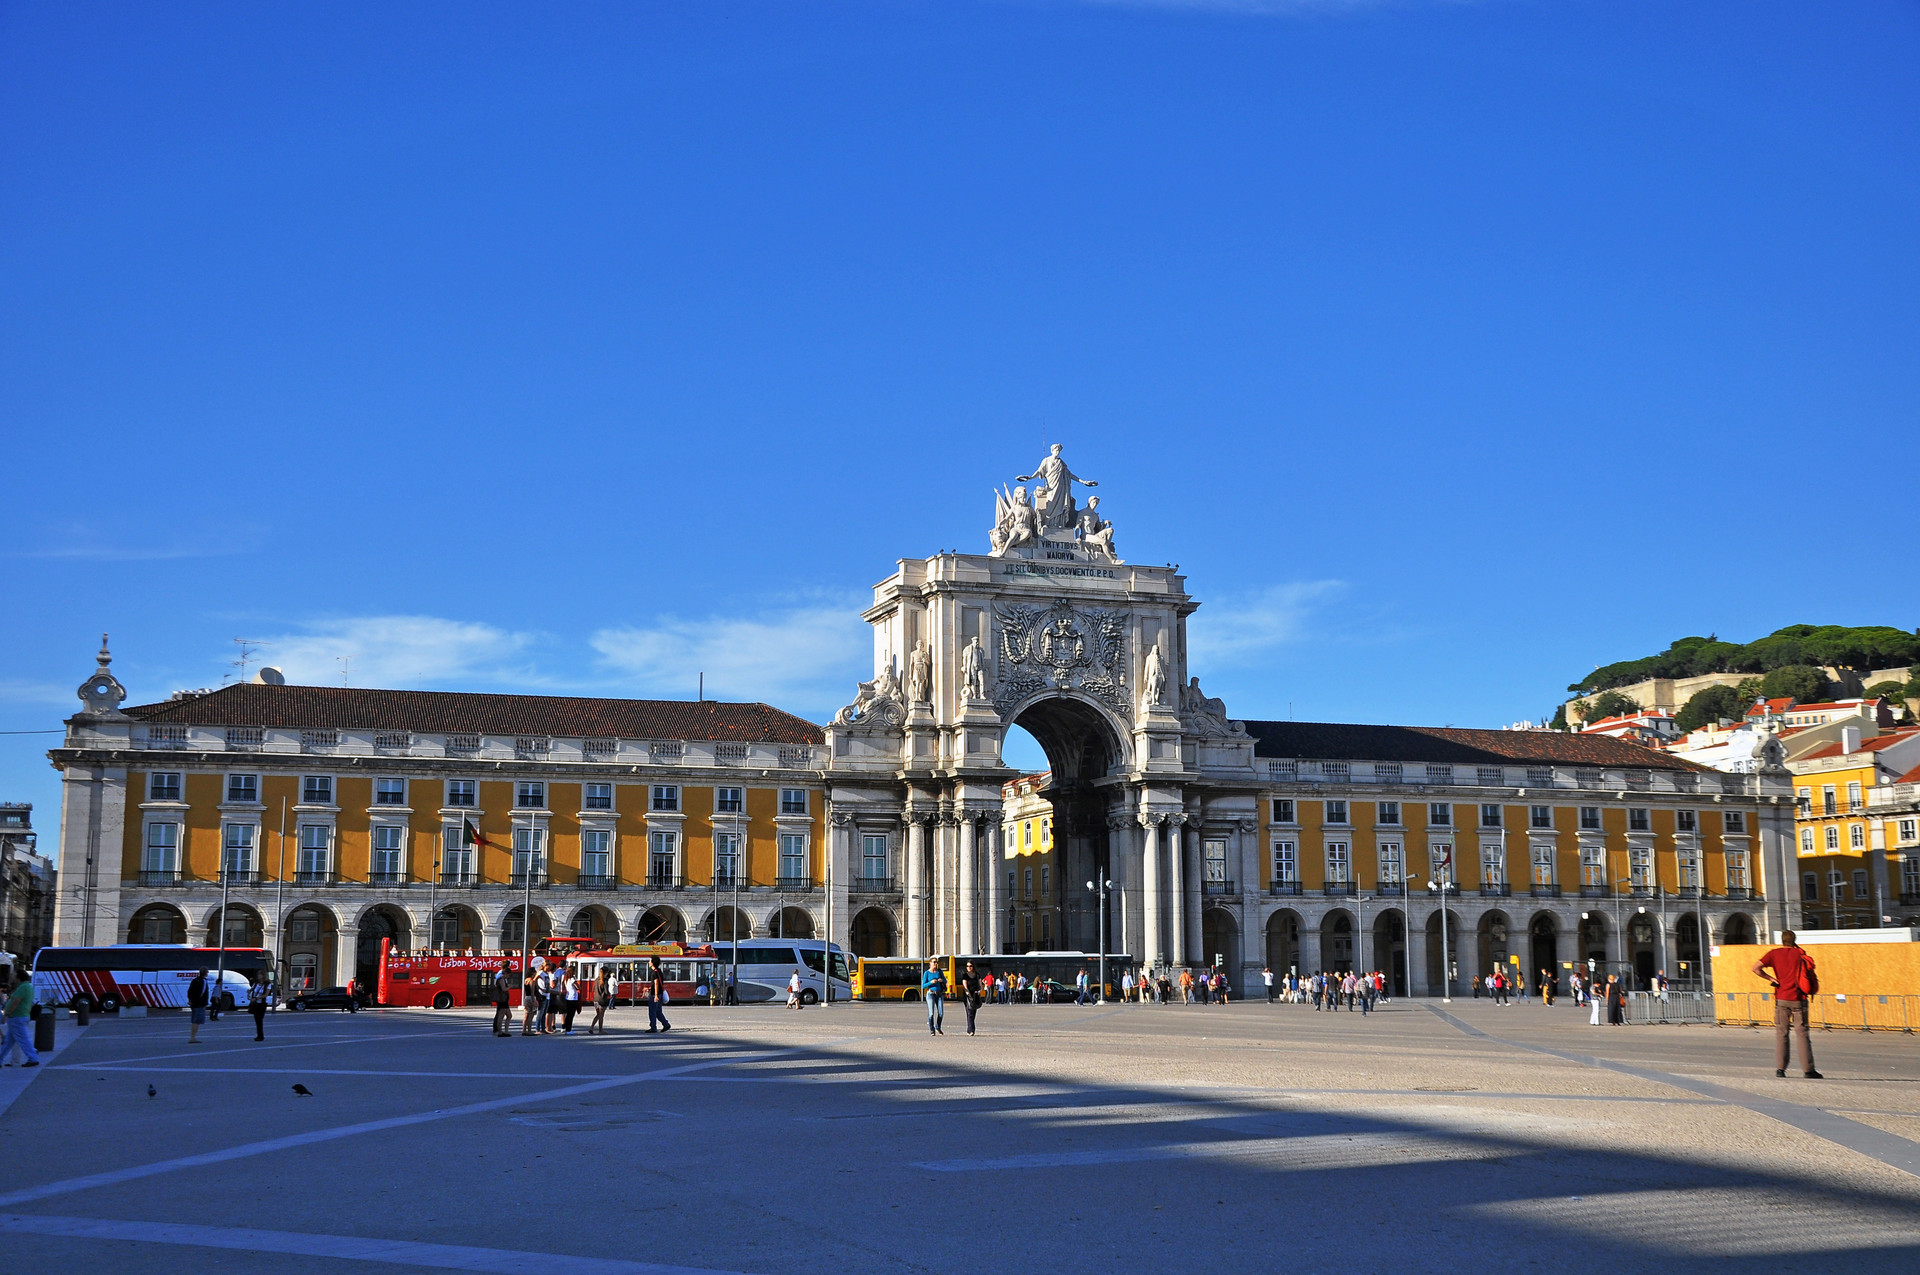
[(1911, 777), (355, 708), (1866, 745), (1347, 742)]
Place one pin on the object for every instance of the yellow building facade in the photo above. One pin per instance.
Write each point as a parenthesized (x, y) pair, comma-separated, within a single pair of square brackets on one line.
[(1034, 890)]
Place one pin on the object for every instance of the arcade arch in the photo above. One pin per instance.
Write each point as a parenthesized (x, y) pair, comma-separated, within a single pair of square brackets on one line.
[(310, 945), (157, 923), (1336, 941), (458, 927), (511, 929), (1283, 942), (790, 923), (1737, 930), (872, 932), (244, 926), (663, 924), (1389, 949), (1220, 940), (381, 921), (597, 922), (725, 924), (1084, 746)]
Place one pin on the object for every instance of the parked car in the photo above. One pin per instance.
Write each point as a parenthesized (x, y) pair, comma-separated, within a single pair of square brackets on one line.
[(325, 998)]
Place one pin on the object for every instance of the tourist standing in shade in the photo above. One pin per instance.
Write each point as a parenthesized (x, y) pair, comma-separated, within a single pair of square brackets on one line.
[(502, 1004), (257, 1006), (196, 1006)]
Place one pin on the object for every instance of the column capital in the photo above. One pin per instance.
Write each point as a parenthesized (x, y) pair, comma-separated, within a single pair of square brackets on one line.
[(840, 819), (1177, 818)]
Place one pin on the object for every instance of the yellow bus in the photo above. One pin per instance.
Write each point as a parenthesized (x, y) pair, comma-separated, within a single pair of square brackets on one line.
[(887, 978)]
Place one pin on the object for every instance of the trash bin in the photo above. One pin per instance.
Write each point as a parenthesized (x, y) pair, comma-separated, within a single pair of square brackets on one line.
[(42, 1032)]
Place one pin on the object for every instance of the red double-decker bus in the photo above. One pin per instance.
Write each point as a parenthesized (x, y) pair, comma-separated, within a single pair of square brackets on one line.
[(451, 979)]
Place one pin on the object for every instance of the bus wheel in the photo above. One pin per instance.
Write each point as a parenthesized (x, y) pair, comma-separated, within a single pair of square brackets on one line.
[(443, 1001), (226, 1002), (911, 995), (109, 1003), (809, 997)]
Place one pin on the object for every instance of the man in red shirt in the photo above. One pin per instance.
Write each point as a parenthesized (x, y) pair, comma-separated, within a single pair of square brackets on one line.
[(1787, 967)]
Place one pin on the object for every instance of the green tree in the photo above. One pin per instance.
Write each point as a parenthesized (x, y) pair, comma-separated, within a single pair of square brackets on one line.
[(1801, 681), (1710, 705), (1607, 704), (1886, 690)]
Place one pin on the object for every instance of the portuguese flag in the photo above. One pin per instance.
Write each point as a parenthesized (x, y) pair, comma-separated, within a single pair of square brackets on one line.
[(474, 838)]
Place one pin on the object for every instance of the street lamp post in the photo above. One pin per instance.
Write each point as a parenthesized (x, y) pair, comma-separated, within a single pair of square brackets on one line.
[(1101, 884), (1438, 883)]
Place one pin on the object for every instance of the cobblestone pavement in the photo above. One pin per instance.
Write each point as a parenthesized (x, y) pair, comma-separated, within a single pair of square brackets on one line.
[(1111, 1139)]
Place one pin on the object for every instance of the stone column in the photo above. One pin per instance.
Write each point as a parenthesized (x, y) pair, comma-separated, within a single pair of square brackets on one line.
[(1125, 883), (1309, 946), (838, 894), (1152, 925), (1172, 893), (996, 890), (940, 878), (346, 954), (1417, 961), (1196, 939), (969, 885), (919, 888)]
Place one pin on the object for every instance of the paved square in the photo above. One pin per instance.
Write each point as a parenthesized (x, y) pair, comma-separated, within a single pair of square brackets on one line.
[(1122, 1138)]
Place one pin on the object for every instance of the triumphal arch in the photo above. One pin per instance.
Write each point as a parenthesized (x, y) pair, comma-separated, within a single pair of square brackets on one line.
[(1051, 630)]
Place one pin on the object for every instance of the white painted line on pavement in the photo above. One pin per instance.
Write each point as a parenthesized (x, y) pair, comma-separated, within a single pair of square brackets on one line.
[(452, 1257), (15, 1081), (344, 1071), (114, 1177)]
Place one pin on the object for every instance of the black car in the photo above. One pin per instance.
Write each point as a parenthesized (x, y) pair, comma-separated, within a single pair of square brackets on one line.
[(325, 998)]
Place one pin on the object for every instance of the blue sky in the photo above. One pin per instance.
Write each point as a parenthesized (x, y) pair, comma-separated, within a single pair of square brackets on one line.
[(1452, 349)]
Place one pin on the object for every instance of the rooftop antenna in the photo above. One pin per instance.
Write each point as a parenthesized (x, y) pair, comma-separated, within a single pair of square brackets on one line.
[(345, 662), (246, 646)]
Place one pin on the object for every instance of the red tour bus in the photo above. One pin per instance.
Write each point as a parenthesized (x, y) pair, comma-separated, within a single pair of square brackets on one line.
[(688, 971), (448, 979)]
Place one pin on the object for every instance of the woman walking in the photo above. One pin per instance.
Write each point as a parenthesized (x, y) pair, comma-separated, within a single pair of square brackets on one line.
[(602, 997), (1616, 1002)]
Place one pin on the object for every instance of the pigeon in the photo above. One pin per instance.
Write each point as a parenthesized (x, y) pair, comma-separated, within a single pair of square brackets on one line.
[(152, 1092), (303, 1091)]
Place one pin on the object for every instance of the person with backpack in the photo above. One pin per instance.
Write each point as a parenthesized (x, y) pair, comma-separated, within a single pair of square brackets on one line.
[(971, 994), (257, 1006), (1795, 983), (502, 1005), (656, 997), (196, 1006)]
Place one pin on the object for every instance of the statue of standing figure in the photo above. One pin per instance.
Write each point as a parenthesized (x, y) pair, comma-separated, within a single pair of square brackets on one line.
[(1053, 499), (1014, 524), (973, 670), (1156, 678), (919, 674)]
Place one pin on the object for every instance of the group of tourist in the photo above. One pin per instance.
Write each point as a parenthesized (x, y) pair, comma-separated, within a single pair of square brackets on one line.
[(554, 995)]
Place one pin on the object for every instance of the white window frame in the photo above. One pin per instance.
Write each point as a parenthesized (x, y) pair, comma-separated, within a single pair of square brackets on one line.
[(1734, 822), (1387, 813), (397, 833), (1213, 860), (237, 776), (1544, 854), (795, 801), (1833, 838), (1685, 821), (1640, 867), (1493, 863), (729, 800), (597, 843), (1639, 819), (179, 785), (596, 796), (380, 792), (315, 847), (1339, 863), (664, 799), (1286, 862), (1440, 814), (1593, 864), (663, 844), (1736, 869), (1688, 860), (1540, 817), (523, 789), (1806, 841), (469, 789), (1284, 811), (529, 850), (162, 835), (308, 784), (868, 840), (1335, 812), (793, 863), (1492, 815), (243, 837), (1856, 836), (1392, 863)]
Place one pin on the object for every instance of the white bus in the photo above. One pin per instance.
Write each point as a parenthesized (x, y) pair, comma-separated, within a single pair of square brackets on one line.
[(765, 966), (153, 974)]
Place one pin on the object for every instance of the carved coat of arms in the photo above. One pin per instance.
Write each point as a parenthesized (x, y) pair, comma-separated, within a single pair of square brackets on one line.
[(1060, 648)]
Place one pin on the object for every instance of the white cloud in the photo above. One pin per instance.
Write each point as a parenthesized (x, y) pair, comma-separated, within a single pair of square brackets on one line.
[(804, 659), (399, 651), (1236, 631)]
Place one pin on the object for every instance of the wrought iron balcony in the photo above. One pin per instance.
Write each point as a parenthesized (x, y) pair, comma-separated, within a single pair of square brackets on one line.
[(159, 876), (1219, 887), (1346, 889), (1546, 891), (1739, 892), (1280, 889), (1499, 891), (386, 878), (665, 881), (794, 883), (240, 876), (323, 876), (1594, 892), (458, 879), (875, 885), (521, 880), (601, 881)]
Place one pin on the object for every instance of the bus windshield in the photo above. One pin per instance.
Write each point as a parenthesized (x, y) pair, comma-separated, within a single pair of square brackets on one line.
[(816, 961)]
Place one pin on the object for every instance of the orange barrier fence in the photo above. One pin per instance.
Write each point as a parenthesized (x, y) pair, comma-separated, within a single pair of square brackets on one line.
[(1858, 1011)]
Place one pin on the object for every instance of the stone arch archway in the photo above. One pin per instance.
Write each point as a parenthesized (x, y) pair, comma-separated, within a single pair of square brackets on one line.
[(725, 924), (1494, 939), (1543, 950), (1737, 930), (1387, 949), (595, 921), (1687, 951), (1283, 943), (310, 943), (1443, 953), (790, 923), (157, 923), (1084, 745), (662, 924), (510, 931), (244, 926), (872, 932), (1337, 948), (380, 921), (457, 927), (1220, 937)]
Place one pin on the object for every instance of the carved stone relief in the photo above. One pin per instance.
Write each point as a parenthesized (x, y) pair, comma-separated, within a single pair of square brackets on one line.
[(1060, 648)]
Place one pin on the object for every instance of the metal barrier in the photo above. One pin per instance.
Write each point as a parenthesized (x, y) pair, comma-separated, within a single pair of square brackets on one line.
[(1674, 1007), (1850, 1010)]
